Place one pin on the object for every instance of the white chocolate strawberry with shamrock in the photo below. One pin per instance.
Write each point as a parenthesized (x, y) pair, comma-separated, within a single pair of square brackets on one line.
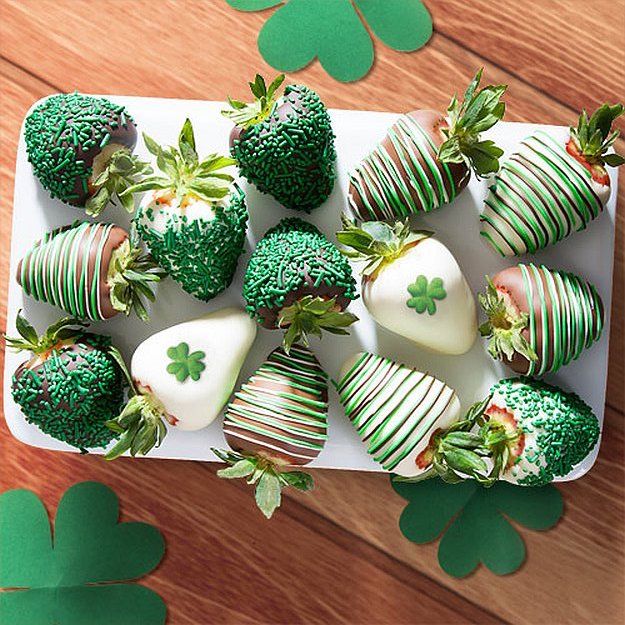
[(412, 285), (182, 375)]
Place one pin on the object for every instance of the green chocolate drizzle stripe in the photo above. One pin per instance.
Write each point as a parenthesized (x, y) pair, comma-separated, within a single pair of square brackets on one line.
[(385, 189), (278, 418), (394, 408), (541, 194), (576, 316), (50, 273)]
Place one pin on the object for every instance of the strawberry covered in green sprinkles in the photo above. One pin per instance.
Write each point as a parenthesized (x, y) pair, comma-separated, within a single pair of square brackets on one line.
[(298, 281), (80, 148), (284, 145), (193, 217), (71, 385)]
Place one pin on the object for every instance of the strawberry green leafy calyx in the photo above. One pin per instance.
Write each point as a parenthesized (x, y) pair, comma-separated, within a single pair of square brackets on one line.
[(262, 473), (480, 110), (311, 316), (131, 276), (122, 171), (593, 137), (505, 325), (377, 243), (183, 173), (243, 114), (72, 383), (65, 329)]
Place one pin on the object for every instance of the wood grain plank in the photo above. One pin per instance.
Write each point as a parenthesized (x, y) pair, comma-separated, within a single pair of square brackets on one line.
[(225, 563), (159, 66), (572, 50), (574, 574)]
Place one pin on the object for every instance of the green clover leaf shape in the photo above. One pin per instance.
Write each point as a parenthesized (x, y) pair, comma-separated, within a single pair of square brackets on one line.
[(473, 521), (332, 31), (185, 364), (75, 578), (425, 293)]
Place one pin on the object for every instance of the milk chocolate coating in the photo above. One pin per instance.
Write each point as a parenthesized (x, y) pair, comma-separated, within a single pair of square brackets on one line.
[(116, 237), (431, 122), (257, 448)]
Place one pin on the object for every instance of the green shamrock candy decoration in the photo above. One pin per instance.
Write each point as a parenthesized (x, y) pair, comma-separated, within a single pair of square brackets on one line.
[(74, 578), (425, 293), (184, 364), (333, 31), (473, 521)]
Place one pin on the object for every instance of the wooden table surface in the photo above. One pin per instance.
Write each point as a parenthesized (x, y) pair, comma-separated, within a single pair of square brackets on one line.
[(336, 556)]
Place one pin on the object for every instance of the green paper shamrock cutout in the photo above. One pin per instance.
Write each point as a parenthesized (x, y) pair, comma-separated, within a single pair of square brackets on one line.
[(81, 576), (424, 293), (184, 364), (333, 31), (473, 521)]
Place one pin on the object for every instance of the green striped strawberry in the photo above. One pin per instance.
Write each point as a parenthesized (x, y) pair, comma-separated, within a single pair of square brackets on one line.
[(193, 218), (426, 158), (71, 385), (91, 270), (526, 432), (277, 421), (549, 189), (540, 319), (80, 148), (396, 410), (298, 281), (284, 145)]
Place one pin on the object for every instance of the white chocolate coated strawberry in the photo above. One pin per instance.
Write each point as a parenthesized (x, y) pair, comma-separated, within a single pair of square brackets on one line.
[(424, 296), (190, 369)]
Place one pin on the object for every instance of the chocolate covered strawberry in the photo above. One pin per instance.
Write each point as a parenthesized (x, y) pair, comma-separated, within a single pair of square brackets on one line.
[(277, 421), (81, 147), (284, 145), (527, 433), (549, 189), (298, 281), (183, 376), (193, 218), (412, 285), (396, 410), (426, 158), (71, 385), (91, 270), (540, 319)]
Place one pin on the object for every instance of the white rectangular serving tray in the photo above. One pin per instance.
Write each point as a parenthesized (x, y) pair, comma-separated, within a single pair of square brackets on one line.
[(589, 254)]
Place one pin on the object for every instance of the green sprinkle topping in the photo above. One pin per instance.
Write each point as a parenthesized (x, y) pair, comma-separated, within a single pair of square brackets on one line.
[(63, 135), (73, 392), (291, 157), (294, 260)]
